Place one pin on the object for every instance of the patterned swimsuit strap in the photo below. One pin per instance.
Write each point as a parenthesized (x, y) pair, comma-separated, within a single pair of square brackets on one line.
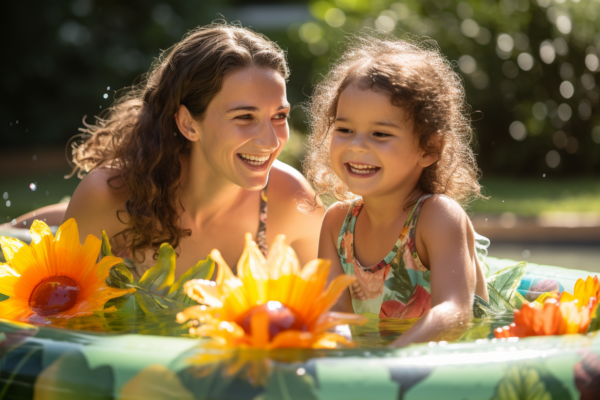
[(261, 235), (355, 208), (413, 217)]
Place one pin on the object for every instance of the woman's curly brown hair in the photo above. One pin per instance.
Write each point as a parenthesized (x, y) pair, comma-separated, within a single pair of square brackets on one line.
[(138, 137), (420, 80)]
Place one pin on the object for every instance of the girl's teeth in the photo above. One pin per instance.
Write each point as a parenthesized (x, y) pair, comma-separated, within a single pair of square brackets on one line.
[(362, 169)]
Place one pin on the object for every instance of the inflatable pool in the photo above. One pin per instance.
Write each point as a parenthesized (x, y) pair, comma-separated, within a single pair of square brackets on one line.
[(155, 358)]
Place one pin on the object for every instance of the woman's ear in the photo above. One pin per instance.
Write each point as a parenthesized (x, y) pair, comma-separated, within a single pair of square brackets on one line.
[(186, 124)]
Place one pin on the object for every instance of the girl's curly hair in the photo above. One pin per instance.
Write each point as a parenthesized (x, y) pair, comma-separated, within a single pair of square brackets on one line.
[(420, 80), (138, 137)]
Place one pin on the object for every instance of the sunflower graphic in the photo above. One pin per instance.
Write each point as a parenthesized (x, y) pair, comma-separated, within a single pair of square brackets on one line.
[(55, 276), (272, 303)]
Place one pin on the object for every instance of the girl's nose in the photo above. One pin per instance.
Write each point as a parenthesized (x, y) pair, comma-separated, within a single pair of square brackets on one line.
[(358, 143)]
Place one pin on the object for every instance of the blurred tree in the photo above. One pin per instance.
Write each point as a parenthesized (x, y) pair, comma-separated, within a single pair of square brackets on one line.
[(529, 66), (67, 58), (529, 69)]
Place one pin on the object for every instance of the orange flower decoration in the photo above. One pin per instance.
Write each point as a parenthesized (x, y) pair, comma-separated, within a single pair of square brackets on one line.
[(54, 276), (551, 318), (271, 304)]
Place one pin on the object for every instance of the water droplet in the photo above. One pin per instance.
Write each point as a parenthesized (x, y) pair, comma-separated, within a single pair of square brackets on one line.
[(7, 203), (10, 124), (17, 122), (543, 175), (14, 222), (100, 106), (47, 192), (526, 253), (108, 88), (503, 201), (300, 371), (5, 195), (105, 95), (32, 186), (24, 222)]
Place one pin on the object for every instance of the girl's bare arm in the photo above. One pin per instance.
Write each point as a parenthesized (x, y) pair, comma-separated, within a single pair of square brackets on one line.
[(332, 222), (443, 232)]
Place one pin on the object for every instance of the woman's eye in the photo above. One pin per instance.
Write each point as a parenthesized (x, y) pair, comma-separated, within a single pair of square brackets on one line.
[(244, 117), (381, 134), (282, 116)]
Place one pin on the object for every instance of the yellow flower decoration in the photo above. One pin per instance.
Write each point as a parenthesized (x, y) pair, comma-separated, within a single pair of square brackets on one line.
[(54, 276), (271, 304), (584, 292)]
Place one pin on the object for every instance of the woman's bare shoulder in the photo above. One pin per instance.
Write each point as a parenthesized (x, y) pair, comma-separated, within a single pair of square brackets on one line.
[(290, 197), (285, 180), (95, 204)]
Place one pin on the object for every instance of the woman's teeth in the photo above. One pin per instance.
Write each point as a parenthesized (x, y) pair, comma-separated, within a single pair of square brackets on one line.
[(254, 160), (362, 168)]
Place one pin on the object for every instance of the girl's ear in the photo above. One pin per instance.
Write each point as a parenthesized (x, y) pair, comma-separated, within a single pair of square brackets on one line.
[(186, 124), (427, 159)]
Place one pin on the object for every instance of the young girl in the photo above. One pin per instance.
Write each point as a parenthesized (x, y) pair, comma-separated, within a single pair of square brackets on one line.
[(391, 140)]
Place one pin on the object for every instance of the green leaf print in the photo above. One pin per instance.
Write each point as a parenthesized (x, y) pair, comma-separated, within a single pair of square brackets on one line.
[(399, 281), (506, 281), (522, 384), (427, 276), (497, 300), (595, 324), (529, 382)]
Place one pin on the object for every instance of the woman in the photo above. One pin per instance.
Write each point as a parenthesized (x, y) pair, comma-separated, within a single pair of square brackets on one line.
[(189, 157)]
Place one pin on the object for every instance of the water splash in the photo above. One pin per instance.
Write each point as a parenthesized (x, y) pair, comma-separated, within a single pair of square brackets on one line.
[(32, 186)]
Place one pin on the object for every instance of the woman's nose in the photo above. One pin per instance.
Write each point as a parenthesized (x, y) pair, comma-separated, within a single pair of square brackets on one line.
[(268, 137)]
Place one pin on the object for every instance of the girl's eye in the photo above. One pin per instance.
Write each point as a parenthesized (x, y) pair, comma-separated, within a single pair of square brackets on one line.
[(381, 134), (342, 130), (282, 116)]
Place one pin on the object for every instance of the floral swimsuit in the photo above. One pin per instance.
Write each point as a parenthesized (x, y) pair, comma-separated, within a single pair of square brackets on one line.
[(397, 287)]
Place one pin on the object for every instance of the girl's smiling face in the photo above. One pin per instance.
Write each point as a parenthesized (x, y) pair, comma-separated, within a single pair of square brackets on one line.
[(374, 150)]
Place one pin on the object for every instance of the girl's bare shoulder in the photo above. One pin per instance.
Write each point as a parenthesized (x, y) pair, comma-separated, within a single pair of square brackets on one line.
[(441, 214), (334, 218)]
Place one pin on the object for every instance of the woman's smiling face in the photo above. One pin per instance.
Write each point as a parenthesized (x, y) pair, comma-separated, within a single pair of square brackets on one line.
[(374, 150), (245, 126)]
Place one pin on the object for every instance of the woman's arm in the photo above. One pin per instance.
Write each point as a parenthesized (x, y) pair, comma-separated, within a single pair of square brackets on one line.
[(332, 222), (442, 243), (53, 215)]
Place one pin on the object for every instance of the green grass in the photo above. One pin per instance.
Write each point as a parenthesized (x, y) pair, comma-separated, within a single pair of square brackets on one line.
[(535, 196), (520, 196), (51, 188)]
